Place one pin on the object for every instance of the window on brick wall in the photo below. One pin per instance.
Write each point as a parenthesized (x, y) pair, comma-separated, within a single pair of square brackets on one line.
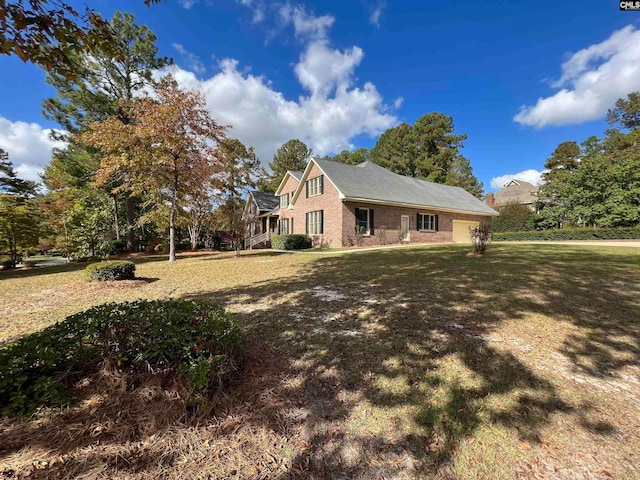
[(284, 226), (315, 223), (427, 221), (315, 186), (284, 200), (364, 220)]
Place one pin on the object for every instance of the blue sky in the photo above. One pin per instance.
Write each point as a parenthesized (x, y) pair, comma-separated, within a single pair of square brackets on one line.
[(518, 77)]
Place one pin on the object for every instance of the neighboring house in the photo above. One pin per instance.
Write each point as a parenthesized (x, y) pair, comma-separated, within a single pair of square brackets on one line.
[(516, 191), (330, 199), (261, 219)]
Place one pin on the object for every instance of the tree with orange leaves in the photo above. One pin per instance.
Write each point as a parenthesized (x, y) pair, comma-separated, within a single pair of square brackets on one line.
[(168, 151)]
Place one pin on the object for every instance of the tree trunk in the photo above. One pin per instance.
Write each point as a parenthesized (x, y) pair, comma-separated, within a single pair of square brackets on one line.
[(194, 233), (172, 236), (131, 219), (116, 216)]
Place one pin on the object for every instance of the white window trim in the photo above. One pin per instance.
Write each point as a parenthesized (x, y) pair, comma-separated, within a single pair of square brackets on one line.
[(284, 220), (433, 223), (316, 220), (315, 184), (368, 234), (282, 197)]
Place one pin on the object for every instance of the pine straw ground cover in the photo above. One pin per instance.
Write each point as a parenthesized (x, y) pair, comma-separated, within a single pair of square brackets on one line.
[(412, 363)]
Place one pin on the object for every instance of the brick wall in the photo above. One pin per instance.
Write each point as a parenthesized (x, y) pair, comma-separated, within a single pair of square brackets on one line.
[(387, 218), (329, 202), (340, 220), (289, 187)]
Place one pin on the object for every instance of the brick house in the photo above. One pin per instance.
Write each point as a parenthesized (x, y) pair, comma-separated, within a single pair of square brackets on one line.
[(332, 201), (515, 191)]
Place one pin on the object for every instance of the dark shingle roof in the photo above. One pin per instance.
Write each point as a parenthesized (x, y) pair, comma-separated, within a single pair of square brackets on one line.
[(266, 201), (296, 175), (369, 181)]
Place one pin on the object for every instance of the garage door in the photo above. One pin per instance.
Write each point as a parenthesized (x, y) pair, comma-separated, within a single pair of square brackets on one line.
[(461, 230)]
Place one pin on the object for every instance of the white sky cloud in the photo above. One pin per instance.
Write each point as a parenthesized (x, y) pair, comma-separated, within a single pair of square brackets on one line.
[(321, 69), (258, 7), (305, 24), (335, 108), (333, 111), (28, 145), (591, 82), (263, 118), (531, 176), (187, 3), (193, 62), (376, 13)]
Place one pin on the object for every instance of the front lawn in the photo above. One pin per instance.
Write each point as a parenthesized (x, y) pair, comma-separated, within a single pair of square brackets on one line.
[(408, 363)]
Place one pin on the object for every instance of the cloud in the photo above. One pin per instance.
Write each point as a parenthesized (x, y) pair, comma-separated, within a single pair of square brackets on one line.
[(306, 25), (187, 3), (192, 60), (321, 69), (397, 103), (531, 176), (333, 110), (376, 13), (28, 145), (259, 9), (262, 117), (591, 82)]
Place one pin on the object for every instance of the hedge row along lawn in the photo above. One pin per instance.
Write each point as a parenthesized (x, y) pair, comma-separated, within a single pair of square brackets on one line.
[(571, 234), (408, 363)]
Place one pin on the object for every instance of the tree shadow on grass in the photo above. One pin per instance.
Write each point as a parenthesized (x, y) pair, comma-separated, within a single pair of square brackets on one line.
[(369, 336), (387, 361)]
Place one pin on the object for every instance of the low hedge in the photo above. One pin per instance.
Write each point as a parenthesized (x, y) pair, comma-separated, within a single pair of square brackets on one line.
[(195, 340), (111, 270), (571, 234), (290, 242)]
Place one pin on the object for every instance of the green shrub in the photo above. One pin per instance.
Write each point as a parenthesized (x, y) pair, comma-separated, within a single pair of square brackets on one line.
[(571, 234), (111, 270), (6, 262), (290, 242), (197, 341)]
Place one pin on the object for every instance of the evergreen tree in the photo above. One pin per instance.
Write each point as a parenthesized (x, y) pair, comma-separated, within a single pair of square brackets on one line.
[(428, 149), (292, 155), (104, 77), (626, 113), (239, 170), (461, 175), (393, 151), (356, 157), (563, 160), (9, 181)]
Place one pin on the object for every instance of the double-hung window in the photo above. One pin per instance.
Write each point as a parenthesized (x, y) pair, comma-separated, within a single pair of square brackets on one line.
[(284, 200), (284, 226), (364, 220), (427, 221), (315, 223), (315, 186)]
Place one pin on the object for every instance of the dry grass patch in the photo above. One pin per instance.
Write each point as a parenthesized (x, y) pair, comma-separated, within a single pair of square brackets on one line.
[(410, 363)]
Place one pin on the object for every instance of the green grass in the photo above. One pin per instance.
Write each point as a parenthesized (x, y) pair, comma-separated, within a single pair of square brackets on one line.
[(409, 363)]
